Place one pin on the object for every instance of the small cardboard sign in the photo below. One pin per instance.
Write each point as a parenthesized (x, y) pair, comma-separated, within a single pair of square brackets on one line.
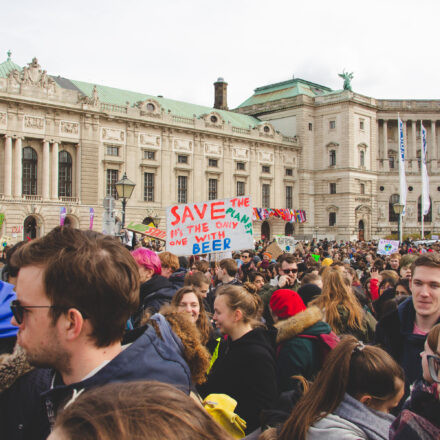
[(147, 230), (387, 247), (287, 244), (274, 250)]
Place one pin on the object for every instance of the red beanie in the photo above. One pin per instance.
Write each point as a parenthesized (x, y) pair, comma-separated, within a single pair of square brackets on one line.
[(285, 303)]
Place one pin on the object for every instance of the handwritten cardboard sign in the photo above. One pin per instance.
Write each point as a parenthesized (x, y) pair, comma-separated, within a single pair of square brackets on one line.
[(387, 247), (274, 250), (212, 226), (147, 230), (287, 244)]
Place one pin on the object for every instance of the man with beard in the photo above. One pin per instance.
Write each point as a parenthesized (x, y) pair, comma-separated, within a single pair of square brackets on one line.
[(75, 292)]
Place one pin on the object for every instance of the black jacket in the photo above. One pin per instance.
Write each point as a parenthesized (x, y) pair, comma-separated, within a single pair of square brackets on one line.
[(153, 294), (178, 277), (245, 370), (30, 405)]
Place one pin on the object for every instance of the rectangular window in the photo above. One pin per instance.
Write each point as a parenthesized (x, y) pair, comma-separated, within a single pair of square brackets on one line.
[(112, 178), (265, 192), (241, 166), (310, 126), (182, 189), (332, 188), (289, 197), (362, 191), (265, 169), (112, 150), (332, 158), (212, 189), (149, 187), (332, 125), (289, 172), (213, 163), (332, 218), (151, 155), (241, 188), (361, 124), (391, 161), (182, 158)]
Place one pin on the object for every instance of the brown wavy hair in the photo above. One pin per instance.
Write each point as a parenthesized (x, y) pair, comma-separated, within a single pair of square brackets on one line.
[(349, 368), (137, 411), (335, 293), (202, 323)]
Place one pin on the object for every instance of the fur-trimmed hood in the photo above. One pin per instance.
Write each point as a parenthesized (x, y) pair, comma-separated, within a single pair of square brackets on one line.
[(12, 367), (295, 325)]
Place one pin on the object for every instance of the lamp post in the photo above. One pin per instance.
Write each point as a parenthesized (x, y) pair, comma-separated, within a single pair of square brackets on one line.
[(398, 209), (316, 229), (124, 189)]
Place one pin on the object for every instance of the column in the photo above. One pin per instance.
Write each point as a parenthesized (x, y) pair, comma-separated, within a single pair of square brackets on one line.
[(18, 167), (46, 167), (78, 172), (8, 167), (385, 140), (55, 170), (433, 154)]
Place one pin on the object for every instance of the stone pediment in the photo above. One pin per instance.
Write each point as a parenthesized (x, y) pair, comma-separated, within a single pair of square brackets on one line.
[(213, 119), (266, 129), (32, 75), (149, 107), (332, 208)]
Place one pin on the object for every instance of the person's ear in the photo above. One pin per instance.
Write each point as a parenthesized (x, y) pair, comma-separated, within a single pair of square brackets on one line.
[(73, 324), (238, 315), (365, 399)]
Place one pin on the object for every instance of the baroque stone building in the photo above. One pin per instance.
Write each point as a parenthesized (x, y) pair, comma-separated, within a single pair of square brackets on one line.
[(294, 145)]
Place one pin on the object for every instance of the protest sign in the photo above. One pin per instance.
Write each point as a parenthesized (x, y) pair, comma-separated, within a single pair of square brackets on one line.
[(63, 213), (147, 230), (315, 257), (212, 226), (2, 219), (387, 247), (274, 250), (287, 244)]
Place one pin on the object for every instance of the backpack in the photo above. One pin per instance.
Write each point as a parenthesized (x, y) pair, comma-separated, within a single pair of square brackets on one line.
[(326, 343)]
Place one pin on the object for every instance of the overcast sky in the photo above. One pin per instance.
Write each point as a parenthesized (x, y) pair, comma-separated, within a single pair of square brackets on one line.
[(179, 48)]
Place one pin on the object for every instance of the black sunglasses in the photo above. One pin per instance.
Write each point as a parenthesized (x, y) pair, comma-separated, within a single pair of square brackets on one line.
[(434, 367), (18, 310), (290, 270)]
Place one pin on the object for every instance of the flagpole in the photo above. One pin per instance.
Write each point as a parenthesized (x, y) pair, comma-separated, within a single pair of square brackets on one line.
[(422, 205)]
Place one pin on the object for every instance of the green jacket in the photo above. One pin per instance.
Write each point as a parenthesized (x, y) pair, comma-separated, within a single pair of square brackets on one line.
[(366, 334)]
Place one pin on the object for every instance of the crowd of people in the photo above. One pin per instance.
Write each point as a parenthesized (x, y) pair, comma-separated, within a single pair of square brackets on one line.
[(331, 341)]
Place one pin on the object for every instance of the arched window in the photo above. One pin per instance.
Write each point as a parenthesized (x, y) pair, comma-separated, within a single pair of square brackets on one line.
[(428, 217), (265, 231), (29, 173), (362, 158), (332, 158), (392, 216), (288, 229), (64, 174)]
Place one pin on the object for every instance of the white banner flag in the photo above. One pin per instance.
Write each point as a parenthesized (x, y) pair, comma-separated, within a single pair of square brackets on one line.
[(425, 180), (402, 178)]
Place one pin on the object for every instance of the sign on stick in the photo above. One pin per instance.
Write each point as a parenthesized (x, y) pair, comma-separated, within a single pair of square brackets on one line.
[(387, 247)]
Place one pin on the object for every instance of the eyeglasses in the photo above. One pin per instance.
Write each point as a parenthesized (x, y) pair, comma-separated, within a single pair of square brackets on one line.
[(245, 256), (434, 367), (18, 310), (290, 270)]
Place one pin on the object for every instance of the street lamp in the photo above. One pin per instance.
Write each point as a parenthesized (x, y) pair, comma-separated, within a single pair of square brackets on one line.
[(316, 229), (398, 209), (124, 189)]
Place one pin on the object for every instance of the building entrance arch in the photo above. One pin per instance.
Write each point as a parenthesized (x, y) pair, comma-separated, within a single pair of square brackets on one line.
[(288, 229), (31, 228), (361, 229), (265, 231)]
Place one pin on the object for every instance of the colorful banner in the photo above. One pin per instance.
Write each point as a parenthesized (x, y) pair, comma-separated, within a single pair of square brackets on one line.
[(2, 219), (402, 177), (387, 247), (425, 180), (147, 230), (287, 244), (212, 226), (288, 215), (92, 216), (62, 215)]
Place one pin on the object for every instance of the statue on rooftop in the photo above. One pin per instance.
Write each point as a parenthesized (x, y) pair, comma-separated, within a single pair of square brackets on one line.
[(347, 77)]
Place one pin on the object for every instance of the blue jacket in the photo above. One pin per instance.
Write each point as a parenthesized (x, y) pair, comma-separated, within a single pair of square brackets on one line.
[(29, 407), (7, 295)]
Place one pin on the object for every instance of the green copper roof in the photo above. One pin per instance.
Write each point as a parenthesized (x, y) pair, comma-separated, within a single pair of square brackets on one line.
[(285, 89), (8, 66), (110, 95)]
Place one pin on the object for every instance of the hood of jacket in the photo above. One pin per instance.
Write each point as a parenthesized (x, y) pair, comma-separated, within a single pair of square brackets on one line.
[(13, 366), (298, 324), (259, 336), (149, 357), (375, 424), (178, 277), (333, 427), (157, 285)]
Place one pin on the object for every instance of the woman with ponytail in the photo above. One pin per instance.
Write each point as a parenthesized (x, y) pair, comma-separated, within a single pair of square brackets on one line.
[(245, 368), (350, 398)]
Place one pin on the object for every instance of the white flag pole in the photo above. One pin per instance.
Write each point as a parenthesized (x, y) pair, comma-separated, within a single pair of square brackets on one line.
[(422, 205)]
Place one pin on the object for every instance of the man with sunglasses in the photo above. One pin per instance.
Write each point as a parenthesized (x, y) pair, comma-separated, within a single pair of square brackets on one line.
[(287, 279), (403, 332), (75, 292)]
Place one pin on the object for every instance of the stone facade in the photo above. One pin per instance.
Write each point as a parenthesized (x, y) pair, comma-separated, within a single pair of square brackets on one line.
[(157, 148)]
